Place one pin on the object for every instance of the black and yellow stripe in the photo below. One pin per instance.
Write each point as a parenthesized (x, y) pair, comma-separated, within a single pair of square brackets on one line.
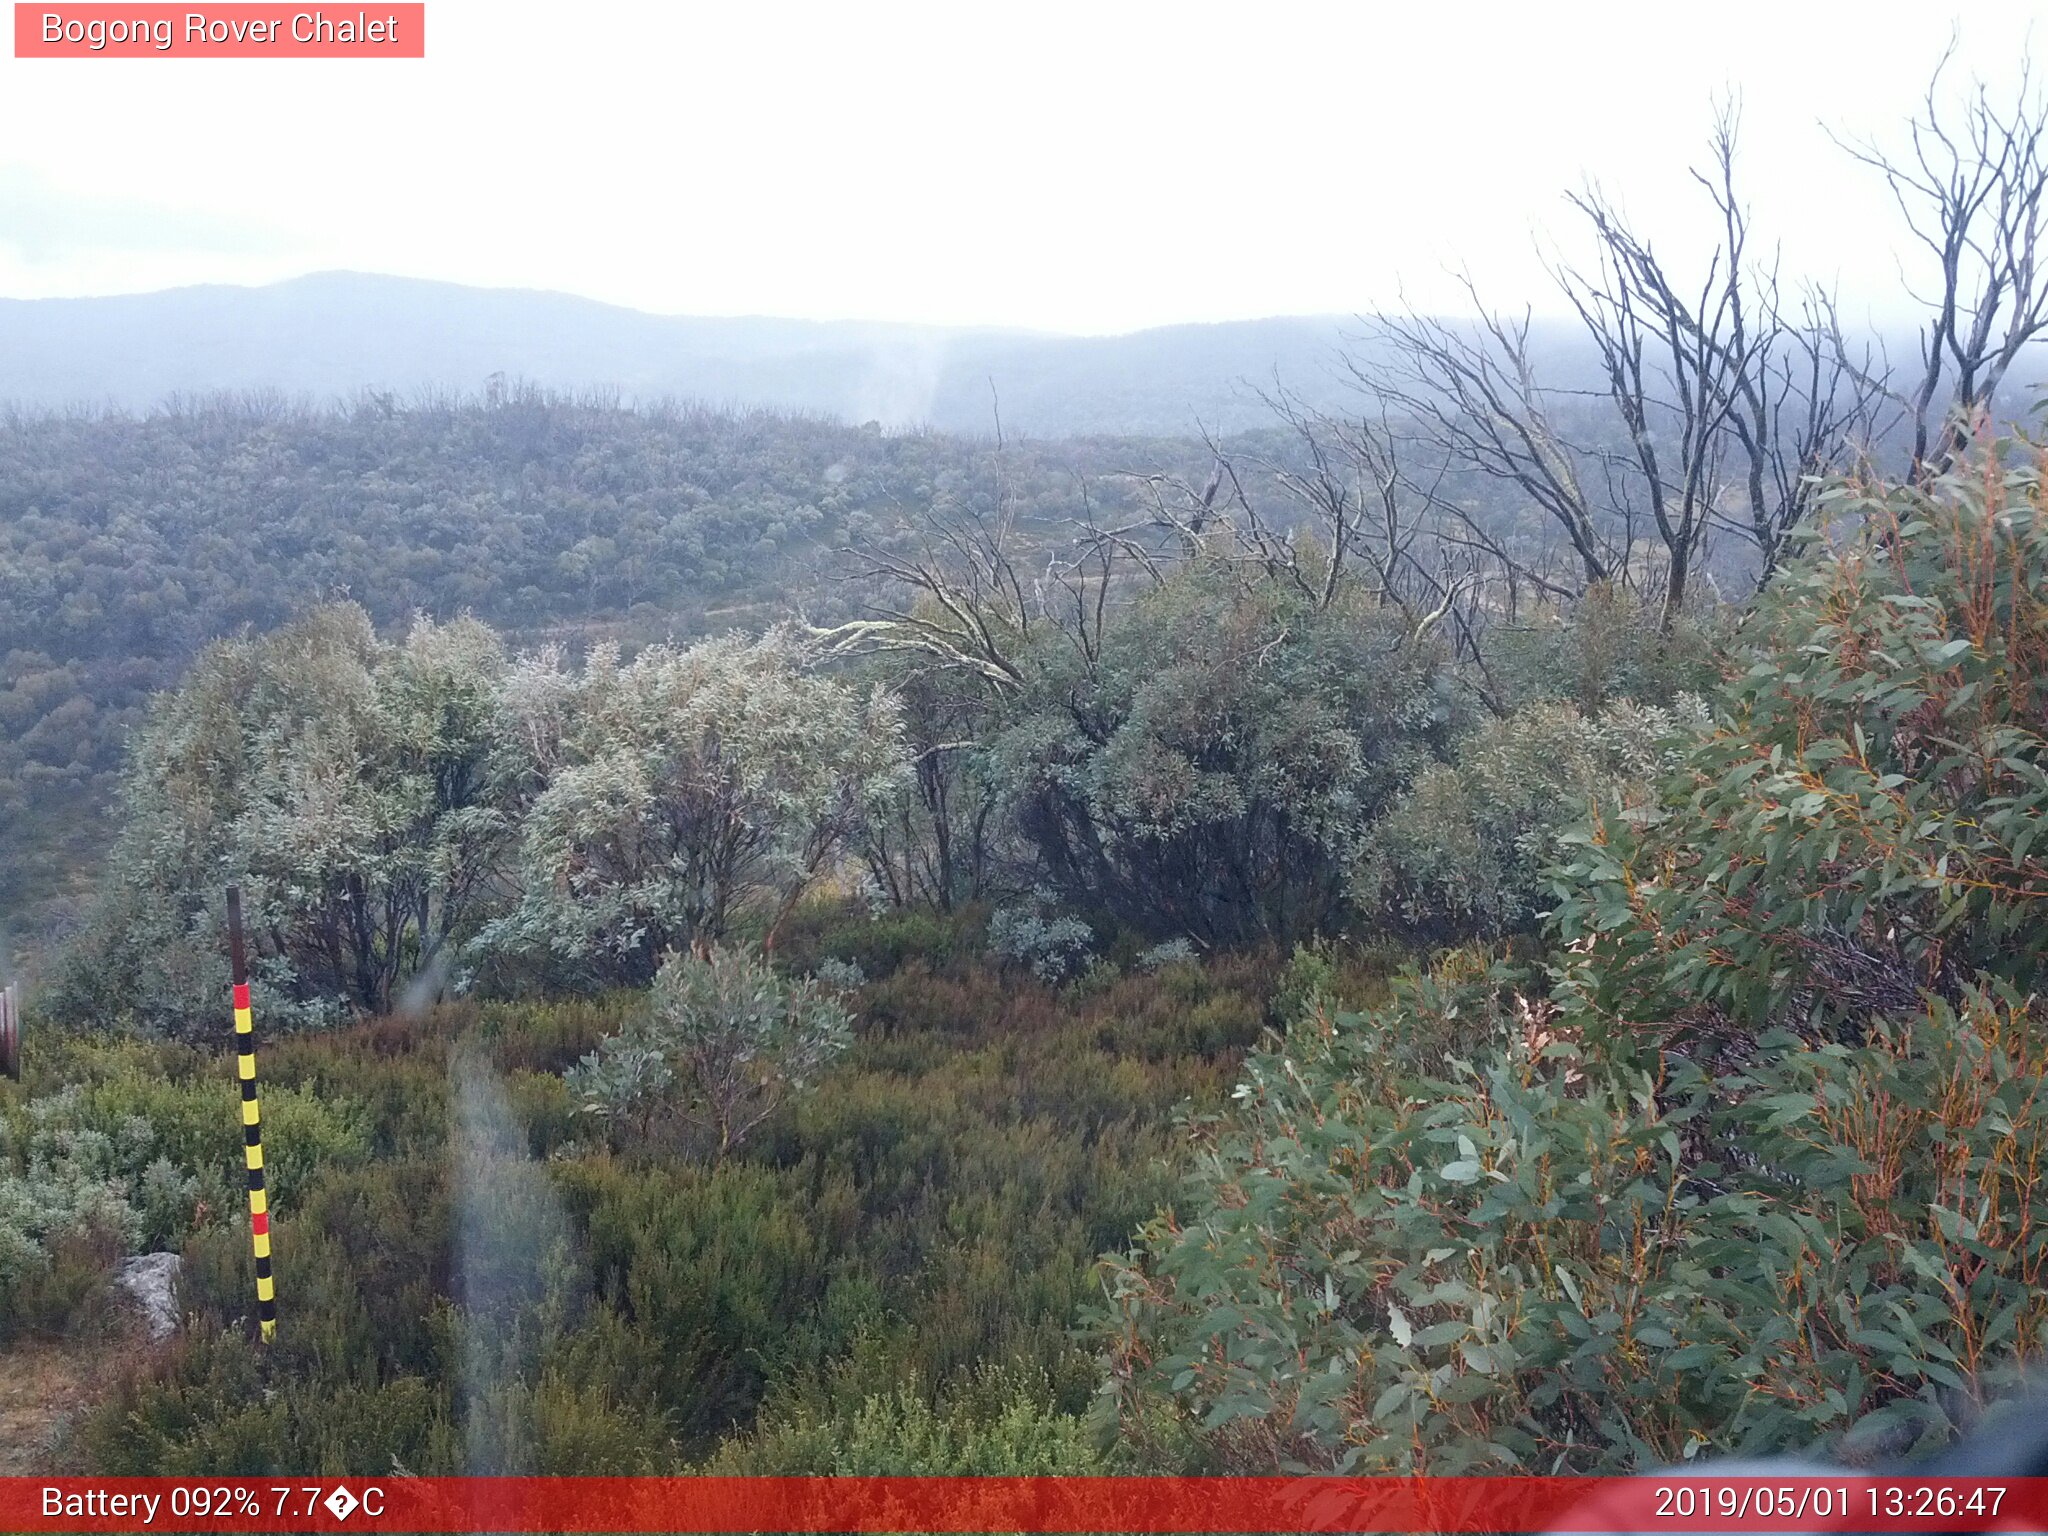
[(252, 1123)]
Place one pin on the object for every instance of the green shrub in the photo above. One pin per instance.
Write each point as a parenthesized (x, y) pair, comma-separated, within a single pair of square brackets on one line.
[(714, 1268), (933, 1206), (49, 1279), (1213, 768), (1758, 1173), (1469, 850), (553, 1428), (1605, 649), (994, 1423), (206, 1415), (724, 1039), (1863, 821), (85, 1179), (356, 1430), (883, 943), (1309, 982), (551, 1036), (1541, 1264)]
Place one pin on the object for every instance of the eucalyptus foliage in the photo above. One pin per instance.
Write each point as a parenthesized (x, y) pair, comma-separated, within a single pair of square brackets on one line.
[(1052, 944), (1537, 1262), (1753, 1165), (724, 1039), (1469, 849), (1864, 822), (659, 797), (345, 783), (1215, 767)]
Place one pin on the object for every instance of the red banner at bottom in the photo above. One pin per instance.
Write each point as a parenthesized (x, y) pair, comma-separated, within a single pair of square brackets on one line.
[(1679, 1501)]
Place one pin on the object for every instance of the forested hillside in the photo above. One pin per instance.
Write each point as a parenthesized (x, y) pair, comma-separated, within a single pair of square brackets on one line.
[(128, 542), (779, 1138)]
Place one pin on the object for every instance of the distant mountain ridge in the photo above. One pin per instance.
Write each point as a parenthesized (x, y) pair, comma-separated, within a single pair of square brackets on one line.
[(334, 334)]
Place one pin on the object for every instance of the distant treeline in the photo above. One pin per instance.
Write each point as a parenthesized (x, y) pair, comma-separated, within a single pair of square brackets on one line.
[(127, 542)]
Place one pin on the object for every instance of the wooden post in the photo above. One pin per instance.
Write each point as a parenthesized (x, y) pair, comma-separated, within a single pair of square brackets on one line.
[(10, 1033)]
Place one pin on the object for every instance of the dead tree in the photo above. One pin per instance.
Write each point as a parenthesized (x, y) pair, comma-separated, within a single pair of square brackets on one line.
[(1747, 393), (1474, 394), (1709, 385), (965, 601), (1806, 409), (1970, 186)]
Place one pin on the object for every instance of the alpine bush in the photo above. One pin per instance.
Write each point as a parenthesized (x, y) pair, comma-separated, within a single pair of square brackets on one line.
[(1749, 1165)]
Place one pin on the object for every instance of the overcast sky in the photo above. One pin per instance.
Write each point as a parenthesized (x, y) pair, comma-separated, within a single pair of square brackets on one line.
[(1087, 167)]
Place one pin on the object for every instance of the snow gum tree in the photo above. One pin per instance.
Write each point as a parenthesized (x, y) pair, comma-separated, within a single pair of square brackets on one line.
[(345, 783), (663, 797)]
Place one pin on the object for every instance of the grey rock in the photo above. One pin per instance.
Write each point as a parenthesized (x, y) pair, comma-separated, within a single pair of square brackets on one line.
[(152, 1280)]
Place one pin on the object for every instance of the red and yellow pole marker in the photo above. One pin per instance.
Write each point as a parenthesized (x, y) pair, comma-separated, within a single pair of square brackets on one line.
[(252, 1121)]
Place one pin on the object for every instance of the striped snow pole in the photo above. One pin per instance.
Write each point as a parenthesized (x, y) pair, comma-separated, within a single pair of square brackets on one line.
[(252, 1121)]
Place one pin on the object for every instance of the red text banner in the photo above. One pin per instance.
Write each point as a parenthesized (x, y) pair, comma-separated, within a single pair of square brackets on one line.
[(225, 31), (1676, 1502)]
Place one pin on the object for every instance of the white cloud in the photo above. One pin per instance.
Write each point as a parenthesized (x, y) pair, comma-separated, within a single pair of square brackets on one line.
[(1056, 165)]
